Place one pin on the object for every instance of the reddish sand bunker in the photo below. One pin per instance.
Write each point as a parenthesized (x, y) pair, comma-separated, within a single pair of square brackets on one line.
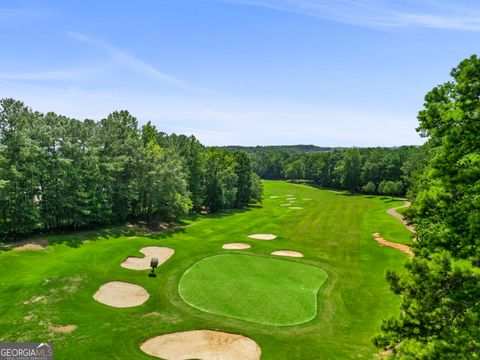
[(405, 248), (202, 344), (236, 246), (287, 253), (262, 236), (136, 263), (121, 294)]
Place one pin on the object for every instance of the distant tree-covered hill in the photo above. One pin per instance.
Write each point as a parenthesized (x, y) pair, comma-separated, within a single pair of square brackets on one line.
[(374, 170), (281, 148)]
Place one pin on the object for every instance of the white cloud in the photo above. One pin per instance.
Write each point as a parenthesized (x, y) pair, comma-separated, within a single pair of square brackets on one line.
[(137, 65), (440, 14)]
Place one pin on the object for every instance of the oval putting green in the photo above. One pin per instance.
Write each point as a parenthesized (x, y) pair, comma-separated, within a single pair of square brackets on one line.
[(262, 290)]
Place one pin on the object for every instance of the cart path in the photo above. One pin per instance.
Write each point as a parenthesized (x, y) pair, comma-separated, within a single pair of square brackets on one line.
[(399, 217)]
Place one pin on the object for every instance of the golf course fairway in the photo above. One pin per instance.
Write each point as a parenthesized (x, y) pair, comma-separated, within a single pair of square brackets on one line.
[(288, 306), (262, 290)]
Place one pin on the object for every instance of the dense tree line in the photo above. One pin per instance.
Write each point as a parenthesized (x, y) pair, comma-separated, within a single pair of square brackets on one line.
[(440, 312), (387, 171), (57, 172)]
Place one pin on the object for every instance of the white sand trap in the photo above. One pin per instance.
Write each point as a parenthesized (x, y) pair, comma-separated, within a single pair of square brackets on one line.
[(121, 294), (136, 263), (287, 253), (262, 236), (295, 208), (202, 344), (236, 246), (274, 197)]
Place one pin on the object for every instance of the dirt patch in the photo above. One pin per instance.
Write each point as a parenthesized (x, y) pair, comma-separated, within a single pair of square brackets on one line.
[(202, 344), (289, 253), (170, 318), (121, 294), (405, 248), (236, 246), (152, 227), (73, 283), (67, 329), (295, 208), (262, 236), (35, 300), (136, 263), (52, 329), (29, 317), (393, 212)]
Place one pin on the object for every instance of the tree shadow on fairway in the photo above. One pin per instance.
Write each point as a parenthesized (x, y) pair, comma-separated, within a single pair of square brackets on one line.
[(230, 212), (136, 227)]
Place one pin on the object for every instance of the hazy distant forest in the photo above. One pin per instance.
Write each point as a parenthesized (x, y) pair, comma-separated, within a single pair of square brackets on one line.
[(58, 173), (385, 171)]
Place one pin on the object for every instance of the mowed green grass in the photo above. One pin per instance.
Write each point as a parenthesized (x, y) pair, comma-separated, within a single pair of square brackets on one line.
[(262, 290), (43, 289)]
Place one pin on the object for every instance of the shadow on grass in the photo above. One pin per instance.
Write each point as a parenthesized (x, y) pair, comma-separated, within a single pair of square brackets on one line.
[(135, 227)]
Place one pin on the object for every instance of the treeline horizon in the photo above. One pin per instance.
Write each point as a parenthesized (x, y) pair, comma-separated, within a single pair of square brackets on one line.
[(62, 173), (371, 170)]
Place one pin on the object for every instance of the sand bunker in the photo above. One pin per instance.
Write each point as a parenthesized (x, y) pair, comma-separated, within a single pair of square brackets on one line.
[(236, 246), (38, 244), (405, 248), (295, 208), (121, 294), (274, 197), (287, 253), (202, 344), (136, 263), (262, 236)]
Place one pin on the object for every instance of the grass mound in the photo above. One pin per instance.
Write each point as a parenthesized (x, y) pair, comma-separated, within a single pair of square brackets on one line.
[(262, 290)]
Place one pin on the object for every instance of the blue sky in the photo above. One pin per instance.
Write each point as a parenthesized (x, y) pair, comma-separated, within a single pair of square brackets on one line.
[(247, 72)]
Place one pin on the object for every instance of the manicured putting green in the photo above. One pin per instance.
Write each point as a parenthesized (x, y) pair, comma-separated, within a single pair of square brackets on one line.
[(262, 290)]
